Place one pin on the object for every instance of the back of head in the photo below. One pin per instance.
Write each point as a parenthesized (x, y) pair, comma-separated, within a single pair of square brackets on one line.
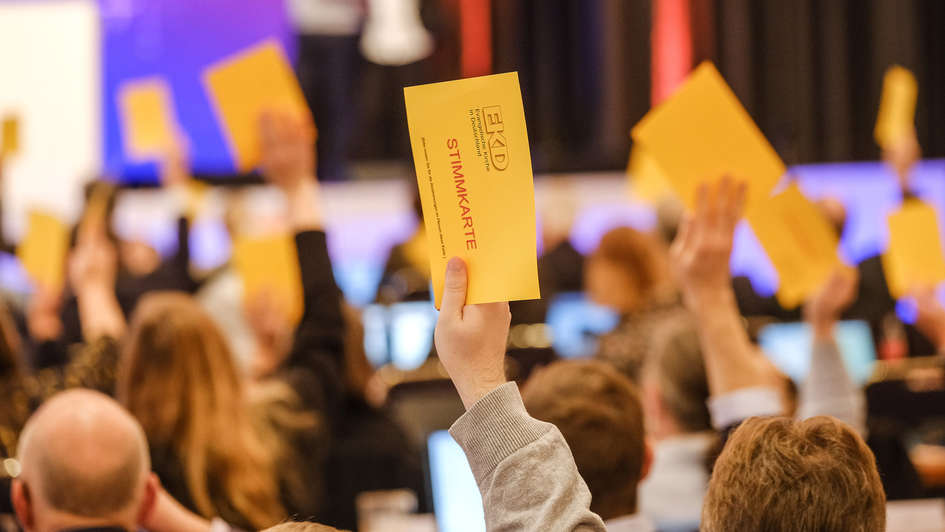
[(178, 377), (83, 456), (778, 474), (598, 411), (628, 270), (677, 370)]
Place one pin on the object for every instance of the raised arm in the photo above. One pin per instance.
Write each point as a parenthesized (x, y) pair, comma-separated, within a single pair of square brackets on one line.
[(92, 270), (740, 380), (288, 162), (930, 319), (828, 389), (524, 468)]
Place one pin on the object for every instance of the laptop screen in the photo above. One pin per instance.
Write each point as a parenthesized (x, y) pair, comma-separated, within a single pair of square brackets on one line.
[(456, 499), (788, 345)]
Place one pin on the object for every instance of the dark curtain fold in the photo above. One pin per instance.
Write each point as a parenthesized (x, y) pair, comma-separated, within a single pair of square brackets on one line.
[(585, 74), (810, 71)]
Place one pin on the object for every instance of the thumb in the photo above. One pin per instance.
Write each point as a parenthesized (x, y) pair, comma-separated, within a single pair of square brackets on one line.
[(454, 287)]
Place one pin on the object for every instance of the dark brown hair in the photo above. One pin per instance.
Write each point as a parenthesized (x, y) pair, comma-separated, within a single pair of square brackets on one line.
[(598, 411)]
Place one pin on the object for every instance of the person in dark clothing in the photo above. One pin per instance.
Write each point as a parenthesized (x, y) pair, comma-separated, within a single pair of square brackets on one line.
[(368, 450)]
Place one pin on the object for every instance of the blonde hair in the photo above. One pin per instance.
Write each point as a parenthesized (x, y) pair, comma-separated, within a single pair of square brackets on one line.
[(302, 526), (178, 378), (780, 474)]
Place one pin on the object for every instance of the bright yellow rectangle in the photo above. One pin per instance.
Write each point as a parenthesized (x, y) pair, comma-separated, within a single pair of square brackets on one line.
[(42, 252), (145, 107), (474, 171), (702, 133), (896, 116), (244, 86), (647, 180), (914, 258), (269, 265), (799, 241), (9, 136)]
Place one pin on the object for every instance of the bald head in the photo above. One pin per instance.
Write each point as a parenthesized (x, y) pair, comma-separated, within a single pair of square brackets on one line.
[(83, 455)]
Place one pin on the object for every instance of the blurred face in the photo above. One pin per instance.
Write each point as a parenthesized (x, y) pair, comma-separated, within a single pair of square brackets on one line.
[(610, 285), (139, 257)]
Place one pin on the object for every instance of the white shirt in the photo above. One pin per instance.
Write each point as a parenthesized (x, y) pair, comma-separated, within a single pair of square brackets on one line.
[(630, 523), (673, 491)]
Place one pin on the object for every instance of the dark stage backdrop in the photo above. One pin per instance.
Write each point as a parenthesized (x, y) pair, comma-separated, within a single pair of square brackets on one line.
[(810, 71)]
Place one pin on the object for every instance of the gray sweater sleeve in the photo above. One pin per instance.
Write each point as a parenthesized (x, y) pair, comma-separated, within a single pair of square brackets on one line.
[(829, 390), (524, 468)]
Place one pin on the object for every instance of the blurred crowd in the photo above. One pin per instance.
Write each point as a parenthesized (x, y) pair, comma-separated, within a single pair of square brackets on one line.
[(124, 406), (144, 394)]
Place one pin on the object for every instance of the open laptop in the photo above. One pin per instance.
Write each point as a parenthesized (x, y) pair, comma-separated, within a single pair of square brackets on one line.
[(457, 503), (400, 334), (576, 323), (788, 345)]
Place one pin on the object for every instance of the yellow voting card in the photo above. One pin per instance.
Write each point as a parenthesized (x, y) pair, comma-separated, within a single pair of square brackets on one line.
[(896, 116), (9, 136), (147, 118), (914, 258), (269, 267), (243, 87), (800, 242), (702, 132), (474, 171), (42, 251), (647, 180)]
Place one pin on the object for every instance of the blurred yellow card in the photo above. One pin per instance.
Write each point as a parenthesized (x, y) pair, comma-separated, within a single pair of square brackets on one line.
[(269, 267), (9, 136), (914, 257), (244, 86), (702, 132), (896, 116), (43, 250), (647, 180), (474, 171), (147, 118), (800, 242)]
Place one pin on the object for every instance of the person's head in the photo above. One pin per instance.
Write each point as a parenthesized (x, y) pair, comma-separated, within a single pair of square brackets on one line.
[(781, 474), (598, 411), (627, 271), (177, 376), (84, 462), (675, 389)]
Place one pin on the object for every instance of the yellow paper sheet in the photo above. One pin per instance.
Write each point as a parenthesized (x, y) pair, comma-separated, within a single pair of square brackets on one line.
[(470, 148), (43, 250), (147, 118), (9, 136), (243, 87), (800, 242), (914, 257), (647, 180), (270, 265), (702, 132), (896, 116)]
